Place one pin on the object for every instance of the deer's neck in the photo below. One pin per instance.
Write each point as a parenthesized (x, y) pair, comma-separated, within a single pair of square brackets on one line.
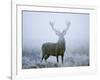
[(61, 43)]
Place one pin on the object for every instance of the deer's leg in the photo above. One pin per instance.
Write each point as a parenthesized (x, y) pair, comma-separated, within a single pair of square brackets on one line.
[(46, 57), (62, 58), (42, 58), (57, 59)]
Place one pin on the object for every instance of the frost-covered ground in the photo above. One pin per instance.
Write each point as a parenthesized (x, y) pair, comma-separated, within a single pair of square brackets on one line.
[(32, 59)]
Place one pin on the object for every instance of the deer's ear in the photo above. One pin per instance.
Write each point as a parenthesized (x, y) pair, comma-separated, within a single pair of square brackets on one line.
[(64, 32), (57, 33)]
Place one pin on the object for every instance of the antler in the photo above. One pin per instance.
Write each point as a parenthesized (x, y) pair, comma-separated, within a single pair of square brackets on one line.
[(52, 25), (66, 29)]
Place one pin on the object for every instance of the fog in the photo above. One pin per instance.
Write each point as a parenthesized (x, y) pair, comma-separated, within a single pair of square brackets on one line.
[(37, 30)]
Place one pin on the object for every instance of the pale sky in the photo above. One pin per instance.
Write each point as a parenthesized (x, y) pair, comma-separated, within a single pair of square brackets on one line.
[(36, 28)]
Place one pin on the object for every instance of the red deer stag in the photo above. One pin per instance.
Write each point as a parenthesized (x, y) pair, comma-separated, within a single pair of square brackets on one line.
[(55, 49)]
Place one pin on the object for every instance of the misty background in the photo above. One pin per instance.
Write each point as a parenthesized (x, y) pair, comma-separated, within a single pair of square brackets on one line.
[(36, 31)]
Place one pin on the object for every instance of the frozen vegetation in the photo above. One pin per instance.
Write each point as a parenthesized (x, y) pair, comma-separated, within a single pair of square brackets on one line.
[(75, 58)]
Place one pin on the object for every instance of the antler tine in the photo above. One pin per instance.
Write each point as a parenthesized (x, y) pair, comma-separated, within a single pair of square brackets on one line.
[(68, 23), (67, 27), (52, 25)]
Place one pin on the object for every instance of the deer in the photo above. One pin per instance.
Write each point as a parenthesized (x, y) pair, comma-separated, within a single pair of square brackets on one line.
[(55, 49)]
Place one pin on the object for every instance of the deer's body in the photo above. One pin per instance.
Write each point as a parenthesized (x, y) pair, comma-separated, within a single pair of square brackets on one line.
[(54, 49)]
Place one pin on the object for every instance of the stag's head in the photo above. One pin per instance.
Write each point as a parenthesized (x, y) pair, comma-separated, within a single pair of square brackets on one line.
[(58, 33)]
